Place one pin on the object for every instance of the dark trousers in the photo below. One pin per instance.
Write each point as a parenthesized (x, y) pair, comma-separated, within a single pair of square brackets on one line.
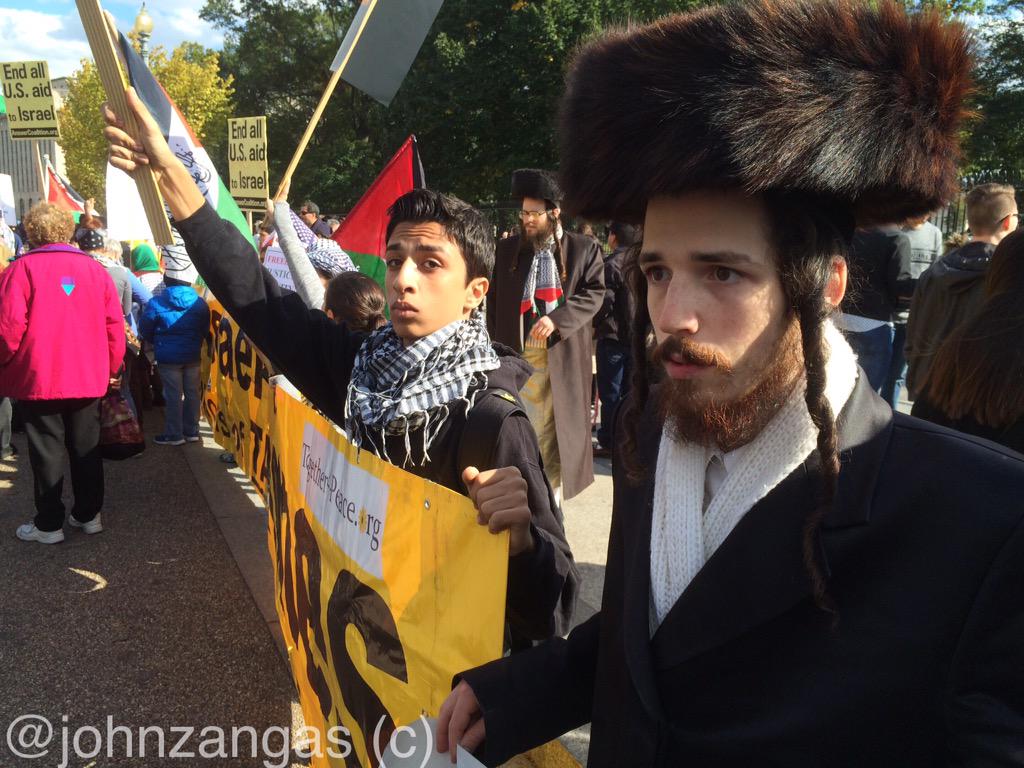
[(897, 378), (53, 427), (6, 412), (874, 353), (612, 384)]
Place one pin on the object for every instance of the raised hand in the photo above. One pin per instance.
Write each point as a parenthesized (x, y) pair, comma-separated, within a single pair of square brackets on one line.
[(146, 146)]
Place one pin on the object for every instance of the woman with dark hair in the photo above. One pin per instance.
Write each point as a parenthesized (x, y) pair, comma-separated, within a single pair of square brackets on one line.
[(977, 380), (357, 301)]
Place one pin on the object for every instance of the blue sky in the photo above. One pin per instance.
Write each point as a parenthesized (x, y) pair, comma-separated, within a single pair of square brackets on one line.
[(51, 30)]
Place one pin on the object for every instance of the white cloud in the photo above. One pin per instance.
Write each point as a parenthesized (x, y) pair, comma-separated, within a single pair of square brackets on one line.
[(31, 35), (28, 35), (178, 21)]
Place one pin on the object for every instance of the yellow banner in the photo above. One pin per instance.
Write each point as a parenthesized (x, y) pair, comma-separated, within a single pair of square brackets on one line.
[(386, 585), (31, 113)]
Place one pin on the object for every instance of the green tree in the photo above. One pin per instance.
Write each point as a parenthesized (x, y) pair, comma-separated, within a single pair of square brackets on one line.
[(995, 146), (481, 97), (190, 75)]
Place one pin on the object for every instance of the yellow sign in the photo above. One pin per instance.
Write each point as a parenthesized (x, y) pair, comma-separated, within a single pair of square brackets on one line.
[(247, 161), (386, 585), (31, 113)]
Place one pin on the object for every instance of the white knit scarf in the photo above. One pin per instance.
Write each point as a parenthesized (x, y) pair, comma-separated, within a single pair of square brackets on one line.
[(683, 535)]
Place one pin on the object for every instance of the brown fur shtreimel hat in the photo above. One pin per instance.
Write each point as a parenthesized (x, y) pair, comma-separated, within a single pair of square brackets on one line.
[(860, 103)]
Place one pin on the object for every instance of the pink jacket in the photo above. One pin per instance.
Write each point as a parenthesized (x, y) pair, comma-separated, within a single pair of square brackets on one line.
[(61, 327)]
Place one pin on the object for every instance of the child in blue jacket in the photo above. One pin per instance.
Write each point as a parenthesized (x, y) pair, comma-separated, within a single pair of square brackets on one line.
[(176, 320)]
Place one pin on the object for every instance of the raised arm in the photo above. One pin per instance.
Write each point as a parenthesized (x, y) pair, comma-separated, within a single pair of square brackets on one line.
[(307, 281), (313, 352)]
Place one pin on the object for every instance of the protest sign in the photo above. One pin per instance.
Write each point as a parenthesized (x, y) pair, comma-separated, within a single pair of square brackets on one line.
[(126, 215), (386, 585), (277, 265), (7, 199), (31, 112), (247, 161)]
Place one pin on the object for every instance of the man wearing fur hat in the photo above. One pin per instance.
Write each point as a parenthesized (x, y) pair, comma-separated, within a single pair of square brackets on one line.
[(548, 285), (793, 577)]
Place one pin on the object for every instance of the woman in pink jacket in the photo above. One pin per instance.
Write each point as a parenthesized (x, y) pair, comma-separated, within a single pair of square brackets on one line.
[(61, 342)]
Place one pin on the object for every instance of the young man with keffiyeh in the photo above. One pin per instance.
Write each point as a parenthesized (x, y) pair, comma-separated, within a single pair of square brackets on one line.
[(414, 391), (796, 575), (548, 285)]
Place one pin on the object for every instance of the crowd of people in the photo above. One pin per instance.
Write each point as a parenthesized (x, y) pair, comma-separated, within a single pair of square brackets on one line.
[(797, 572)]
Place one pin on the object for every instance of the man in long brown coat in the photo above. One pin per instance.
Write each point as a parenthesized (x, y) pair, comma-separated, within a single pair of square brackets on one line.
[(548, 284)]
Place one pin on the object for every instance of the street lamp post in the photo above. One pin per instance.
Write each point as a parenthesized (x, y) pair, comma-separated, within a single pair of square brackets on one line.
[(144, 29)]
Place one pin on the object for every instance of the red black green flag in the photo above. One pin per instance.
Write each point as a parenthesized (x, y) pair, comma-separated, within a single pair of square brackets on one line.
[(362, 233)]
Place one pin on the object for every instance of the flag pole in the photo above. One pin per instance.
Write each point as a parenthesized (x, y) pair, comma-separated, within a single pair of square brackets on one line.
[(98, 31), (353, 40), (40, 172)]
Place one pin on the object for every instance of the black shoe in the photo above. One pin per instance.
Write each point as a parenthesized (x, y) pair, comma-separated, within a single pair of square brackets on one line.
[(600, 452)]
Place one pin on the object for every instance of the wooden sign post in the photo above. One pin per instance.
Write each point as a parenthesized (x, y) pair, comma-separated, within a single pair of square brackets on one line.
[(104, 51)]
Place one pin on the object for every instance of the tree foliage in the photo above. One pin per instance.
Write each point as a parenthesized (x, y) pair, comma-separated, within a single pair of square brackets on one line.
[(995, 145), (190, 74), (481, 95)]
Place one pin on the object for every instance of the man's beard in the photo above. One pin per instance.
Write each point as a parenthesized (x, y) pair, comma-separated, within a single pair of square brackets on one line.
[(698, 418), (540, 236)]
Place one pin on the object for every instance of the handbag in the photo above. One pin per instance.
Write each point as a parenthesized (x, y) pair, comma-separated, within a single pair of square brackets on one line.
[(120, 436), (132, 344)]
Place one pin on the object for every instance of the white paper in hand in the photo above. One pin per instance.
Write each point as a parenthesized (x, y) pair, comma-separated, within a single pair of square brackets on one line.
[(414, 746)]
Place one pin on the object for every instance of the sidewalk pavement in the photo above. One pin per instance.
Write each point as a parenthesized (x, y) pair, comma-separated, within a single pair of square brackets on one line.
[(167, 618), (150, 623)]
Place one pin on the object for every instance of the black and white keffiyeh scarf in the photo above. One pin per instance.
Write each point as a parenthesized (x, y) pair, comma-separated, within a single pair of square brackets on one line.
[(396, 389)]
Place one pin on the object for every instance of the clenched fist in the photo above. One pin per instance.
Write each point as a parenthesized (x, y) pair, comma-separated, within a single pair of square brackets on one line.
[(499, 496)]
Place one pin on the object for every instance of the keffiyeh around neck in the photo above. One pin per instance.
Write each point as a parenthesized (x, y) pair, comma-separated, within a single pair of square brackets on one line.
[(396, 389), (543, 290)]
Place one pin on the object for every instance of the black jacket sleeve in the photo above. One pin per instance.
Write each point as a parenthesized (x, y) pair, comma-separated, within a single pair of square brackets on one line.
[(986, 705), (315, 353), (532, 697), (543, 583)]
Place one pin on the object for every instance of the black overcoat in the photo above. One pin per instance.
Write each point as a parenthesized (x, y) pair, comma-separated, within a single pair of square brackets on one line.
[(570, 357), (922, 663)]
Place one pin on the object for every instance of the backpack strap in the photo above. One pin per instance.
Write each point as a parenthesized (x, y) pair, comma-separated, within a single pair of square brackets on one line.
[(479, 437)]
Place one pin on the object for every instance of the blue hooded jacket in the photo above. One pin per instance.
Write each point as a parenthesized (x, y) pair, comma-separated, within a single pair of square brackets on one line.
[(176, 320)]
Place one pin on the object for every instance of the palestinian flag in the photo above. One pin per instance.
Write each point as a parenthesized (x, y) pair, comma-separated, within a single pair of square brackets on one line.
[(362, 233), (182, 140), (60, 192)]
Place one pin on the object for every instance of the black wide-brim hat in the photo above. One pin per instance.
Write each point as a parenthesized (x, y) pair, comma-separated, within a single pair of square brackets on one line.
[(536, 183), (861, 104)]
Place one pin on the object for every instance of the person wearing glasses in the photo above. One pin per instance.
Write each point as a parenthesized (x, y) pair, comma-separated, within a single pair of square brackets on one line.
[(548, 285), (310, 214), (953, 288)]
